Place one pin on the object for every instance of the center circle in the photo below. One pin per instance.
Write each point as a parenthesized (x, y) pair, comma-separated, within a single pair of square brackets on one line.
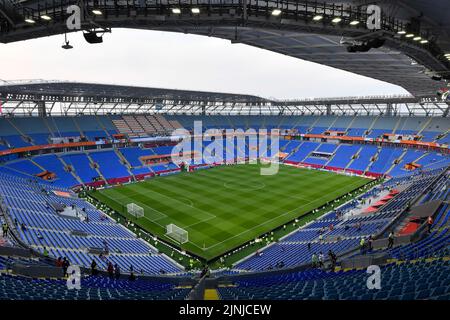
[(244, 185)]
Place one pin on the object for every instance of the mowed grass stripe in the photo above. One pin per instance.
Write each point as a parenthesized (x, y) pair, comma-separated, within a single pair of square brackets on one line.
[(226, 206)]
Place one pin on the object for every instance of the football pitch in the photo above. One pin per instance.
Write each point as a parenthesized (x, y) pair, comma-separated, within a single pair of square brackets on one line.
[(226, 206)]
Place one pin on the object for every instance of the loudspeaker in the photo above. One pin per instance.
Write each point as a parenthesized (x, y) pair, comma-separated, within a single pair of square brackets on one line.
[(91, 37)]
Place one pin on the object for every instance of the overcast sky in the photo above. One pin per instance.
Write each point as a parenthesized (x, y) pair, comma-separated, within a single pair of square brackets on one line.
[(179, 61)]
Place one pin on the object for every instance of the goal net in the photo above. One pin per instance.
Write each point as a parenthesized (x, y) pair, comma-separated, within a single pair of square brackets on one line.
[(178, 234), (135, 210)]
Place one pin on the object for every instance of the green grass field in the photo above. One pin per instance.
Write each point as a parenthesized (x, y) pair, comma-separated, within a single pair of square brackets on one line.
[(226, 206)]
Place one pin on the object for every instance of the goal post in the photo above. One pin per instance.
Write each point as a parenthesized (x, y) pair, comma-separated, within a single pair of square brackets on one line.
[(178, 234), (135, 210)]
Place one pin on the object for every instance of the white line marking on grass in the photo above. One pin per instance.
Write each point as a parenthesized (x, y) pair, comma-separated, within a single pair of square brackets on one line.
[(194, 224), (262, 185), (142, 204), (170, 198), (267, 221)]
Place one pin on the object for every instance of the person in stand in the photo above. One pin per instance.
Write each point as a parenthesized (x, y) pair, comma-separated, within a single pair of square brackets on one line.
[(314, 260), (5, 229), (362, 245), (58, 262), (117, 271), (110, 270), (429, 223), (321, 259), (390, 240), (94, 267), (65, 266), (370, 243), (333, 259)]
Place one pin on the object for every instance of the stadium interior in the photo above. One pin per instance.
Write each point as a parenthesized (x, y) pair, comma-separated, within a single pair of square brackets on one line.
[(91, 175)]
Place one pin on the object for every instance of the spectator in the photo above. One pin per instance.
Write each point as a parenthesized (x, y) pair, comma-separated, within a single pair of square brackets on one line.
[(314, 260), (333, 259), (45, 252), (390, 240), (362, 244), (370, 243), (5, 229), (430, 223), (321, 259), (117, 271), (65, 266), (110, 270), (94, 270)]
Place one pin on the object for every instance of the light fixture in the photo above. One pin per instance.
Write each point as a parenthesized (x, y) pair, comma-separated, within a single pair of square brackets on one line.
[(276, 12), (29, 20), (318, 17), (447, 55), (336, 20), (97, 12), (354, 22), (45, 17), (176, 10), (417, 38), (66, 44), (401, 32), (409, 35), (424, 41), (195, 10)]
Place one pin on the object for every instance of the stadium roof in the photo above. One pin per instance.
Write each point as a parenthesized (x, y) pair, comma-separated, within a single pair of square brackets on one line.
[(417, 67), (28, 98), (76, 91)]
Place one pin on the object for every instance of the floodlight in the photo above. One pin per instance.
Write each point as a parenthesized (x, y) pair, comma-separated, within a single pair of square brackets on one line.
[(195, 10), (276, 12), (318, 17), (176, 10), (97, 12), (46, 17), (336, 20)]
